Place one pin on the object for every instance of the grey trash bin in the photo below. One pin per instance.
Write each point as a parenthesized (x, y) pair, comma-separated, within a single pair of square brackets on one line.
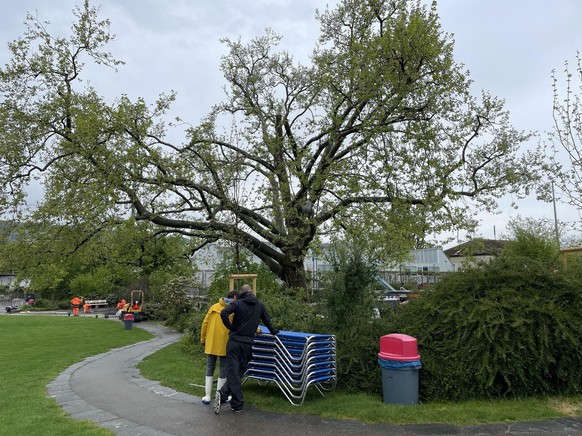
[(400, 364), (400, 381)]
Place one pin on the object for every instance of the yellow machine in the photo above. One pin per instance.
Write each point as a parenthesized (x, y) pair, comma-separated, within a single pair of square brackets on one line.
[(135, 306)]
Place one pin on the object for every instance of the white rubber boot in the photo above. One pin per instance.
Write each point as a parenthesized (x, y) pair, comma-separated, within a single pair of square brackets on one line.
[(208, 389), (219, 384)]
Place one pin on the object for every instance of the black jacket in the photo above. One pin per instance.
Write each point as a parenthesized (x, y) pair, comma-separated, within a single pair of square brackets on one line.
[(248, 312)]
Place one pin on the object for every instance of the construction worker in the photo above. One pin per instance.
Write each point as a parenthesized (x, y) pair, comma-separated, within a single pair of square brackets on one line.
[(76, 303), (120, 307), (87, 308)]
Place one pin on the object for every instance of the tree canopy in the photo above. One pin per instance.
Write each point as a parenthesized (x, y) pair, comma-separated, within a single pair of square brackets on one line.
[(377, 136), (60, 260)]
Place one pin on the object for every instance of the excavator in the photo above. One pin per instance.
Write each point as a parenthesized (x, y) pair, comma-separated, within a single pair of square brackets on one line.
[(134, 306)]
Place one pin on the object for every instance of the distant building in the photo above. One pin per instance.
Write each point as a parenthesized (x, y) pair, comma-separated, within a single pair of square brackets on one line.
[(423, 266), (474, 251), (7, 279), (567, 253)]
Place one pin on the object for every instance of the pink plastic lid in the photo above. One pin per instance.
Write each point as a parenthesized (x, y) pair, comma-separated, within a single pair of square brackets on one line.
[(397, 346)]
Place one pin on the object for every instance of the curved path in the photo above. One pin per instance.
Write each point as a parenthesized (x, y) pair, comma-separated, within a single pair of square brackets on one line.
[(109, 390)]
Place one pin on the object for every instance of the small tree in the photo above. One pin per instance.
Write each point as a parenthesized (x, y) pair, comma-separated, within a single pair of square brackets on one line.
[(349, 314), (348, 291), (530, 240), (175, 305), (567, 133)]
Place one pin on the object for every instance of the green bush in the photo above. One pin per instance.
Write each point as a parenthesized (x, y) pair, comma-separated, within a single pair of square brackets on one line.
[(357, 355), (41, 304), (194, 324), (173, 304), (288, 312), (348, 312), (510, 328), (190, 344)]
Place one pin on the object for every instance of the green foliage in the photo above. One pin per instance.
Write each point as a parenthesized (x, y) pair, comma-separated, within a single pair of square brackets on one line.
[(98, 282), (289, 312), (74, 259), (349, 314), (378, 133), (240, 262), (510, 328), (286, 306), (173, 302), (193, 324), (531, 240), (348, 292), (357, 355)]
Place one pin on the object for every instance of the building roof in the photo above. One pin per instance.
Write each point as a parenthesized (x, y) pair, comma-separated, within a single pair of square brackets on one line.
[(477, 247)]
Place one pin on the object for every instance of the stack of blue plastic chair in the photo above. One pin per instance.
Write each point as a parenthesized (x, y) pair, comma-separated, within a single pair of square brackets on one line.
[(294, 361)]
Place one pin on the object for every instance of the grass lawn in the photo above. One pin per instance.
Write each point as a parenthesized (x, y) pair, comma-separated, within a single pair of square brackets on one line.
[(33, 351), (175, 367)]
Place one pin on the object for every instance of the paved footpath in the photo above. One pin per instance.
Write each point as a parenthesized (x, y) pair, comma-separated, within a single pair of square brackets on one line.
[(109, 390)]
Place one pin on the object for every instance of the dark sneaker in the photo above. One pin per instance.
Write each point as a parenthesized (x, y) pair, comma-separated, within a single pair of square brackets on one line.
[(217, 400), (236, 410)]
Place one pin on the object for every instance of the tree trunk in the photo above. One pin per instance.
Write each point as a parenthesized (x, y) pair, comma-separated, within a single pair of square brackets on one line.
[(294, 274)]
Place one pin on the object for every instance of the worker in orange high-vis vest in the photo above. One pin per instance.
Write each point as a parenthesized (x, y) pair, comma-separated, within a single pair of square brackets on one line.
[(76, 303)]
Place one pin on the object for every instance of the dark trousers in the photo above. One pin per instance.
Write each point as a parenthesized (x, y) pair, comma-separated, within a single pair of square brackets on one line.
[(238, 355)]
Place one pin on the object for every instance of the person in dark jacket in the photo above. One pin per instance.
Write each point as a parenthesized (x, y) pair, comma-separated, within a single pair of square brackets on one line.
[(248, 312)]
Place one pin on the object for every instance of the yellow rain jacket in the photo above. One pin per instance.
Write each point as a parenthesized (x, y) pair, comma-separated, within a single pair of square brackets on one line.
[(213, 333)]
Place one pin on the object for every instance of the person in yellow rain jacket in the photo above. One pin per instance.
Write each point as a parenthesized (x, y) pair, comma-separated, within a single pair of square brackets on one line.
[(76, 303), (214, 336)]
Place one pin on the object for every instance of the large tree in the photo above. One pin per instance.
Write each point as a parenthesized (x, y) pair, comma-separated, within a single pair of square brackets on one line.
[(378, 136)]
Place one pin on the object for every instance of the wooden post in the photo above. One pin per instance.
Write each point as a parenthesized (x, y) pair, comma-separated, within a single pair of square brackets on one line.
[(245, 277)]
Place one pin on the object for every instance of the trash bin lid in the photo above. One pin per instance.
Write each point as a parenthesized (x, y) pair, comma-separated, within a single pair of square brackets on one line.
[(128, 317), (397, 346)]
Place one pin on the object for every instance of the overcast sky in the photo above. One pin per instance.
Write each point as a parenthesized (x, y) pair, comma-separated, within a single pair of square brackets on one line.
[(509, 46)]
